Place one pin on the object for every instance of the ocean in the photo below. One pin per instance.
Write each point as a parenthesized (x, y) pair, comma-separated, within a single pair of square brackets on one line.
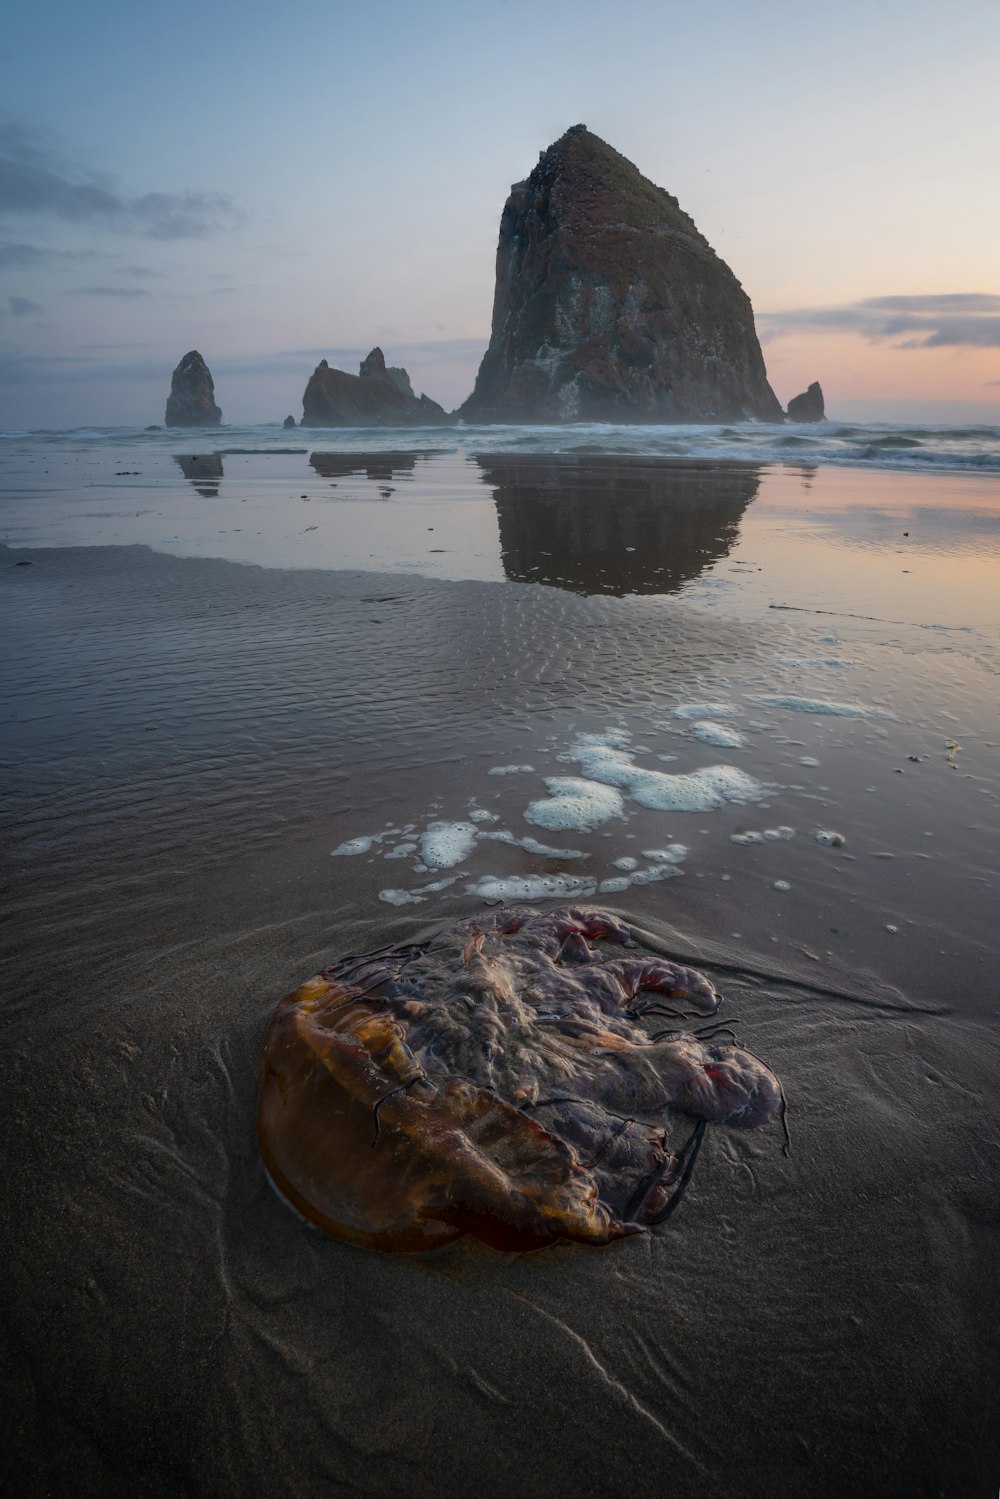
[(272, 697)]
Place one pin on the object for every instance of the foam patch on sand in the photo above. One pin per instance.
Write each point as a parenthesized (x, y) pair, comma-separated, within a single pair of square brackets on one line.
[(417, 896), (654, 874), (674, 853), (359, 845), (601, 759), (446, 844), (510, 770), (532, 845), (721, 735), (531, 887), (834, 662), (574, 803), (821, 705), (400, 897), (707, 710)]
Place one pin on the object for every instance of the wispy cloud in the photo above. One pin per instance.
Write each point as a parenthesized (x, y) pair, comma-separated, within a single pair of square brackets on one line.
[(26, 369), (21, 307), (38, 179), (138, 272), (18, 256), (934, 321), (122, 293)]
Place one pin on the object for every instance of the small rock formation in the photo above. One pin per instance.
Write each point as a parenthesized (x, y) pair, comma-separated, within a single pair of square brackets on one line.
[(808, 407), (288, 422), (373, 367), (154, 428), (191, 402), (375, 397), (611, 306)]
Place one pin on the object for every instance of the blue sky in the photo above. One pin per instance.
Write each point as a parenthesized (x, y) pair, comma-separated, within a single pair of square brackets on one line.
[(276, 185)]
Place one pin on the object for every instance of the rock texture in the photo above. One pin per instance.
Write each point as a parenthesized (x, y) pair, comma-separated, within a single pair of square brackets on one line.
[(611, 306), (288, 422), (808, 407), (191, 402), (375, 397)]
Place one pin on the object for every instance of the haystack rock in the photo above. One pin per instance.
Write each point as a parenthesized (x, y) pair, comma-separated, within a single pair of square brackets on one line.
[(288, 422), (611, 306), (808, 407), (375, 397), (191, 402)]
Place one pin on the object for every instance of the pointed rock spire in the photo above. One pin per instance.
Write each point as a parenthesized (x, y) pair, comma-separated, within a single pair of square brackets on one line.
[(191, 402)]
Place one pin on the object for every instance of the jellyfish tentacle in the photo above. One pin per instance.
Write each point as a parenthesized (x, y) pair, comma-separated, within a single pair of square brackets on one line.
[(603, 1150), (688, 1155)]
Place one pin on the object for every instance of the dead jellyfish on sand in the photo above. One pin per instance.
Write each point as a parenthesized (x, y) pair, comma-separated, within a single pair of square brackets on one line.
[(520, 1077)]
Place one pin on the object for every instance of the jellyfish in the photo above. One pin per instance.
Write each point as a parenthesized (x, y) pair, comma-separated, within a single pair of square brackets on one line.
[(523, 1077)]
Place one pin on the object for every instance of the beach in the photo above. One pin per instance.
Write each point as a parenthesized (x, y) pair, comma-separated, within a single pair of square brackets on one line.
[(243, 685)]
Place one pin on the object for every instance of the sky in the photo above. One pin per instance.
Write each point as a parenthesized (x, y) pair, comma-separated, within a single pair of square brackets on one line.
[(276, 185)]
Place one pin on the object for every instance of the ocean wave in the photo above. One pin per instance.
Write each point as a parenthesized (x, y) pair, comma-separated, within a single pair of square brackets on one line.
[(974, 449)]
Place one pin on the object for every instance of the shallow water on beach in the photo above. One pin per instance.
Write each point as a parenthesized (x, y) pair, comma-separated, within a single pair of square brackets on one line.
[(236, 746)]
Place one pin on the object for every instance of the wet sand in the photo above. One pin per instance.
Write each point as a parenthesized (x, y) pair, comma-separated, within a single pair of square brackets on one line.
[(188, 738)]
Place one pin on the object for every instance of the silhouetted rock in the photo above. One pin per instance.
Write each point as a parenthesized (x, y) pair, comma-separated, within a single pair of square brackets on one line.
[(610, 306), (808, 407), (154, 428), (191, 402), (373, 367), (376, 397), (288, 422)]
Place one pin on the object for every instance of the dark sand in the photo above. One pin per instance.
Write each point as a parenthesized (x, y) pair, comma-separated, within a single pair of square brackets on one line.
[(188, 739)]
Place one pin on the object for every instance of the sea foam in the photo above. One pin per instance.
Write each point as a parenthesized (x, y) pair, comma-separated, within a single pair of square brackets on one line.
[(821, 706), (574, 803), (695, 791)]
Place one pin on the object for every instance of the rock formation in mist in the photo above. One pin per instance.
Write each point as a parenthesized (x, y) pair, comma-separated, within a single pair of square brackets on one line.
[(808, 407), (288, 422), (611, 306), (375, 397), (191, 402)]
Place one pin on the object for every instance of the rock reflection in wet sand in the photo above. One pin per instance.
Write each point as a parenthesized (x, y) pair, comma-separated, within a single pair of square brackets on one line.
[(596, 523)]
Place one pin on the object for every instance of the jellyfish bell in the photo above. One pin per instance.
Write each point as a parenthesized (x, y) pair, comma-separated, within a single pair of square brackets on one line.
[(501, 1081)]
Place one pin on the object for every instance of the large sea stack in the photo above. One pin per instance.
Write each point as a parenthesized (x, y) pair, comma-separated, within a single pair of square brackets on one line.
[(191, 402), (611, 306), (375, 397)]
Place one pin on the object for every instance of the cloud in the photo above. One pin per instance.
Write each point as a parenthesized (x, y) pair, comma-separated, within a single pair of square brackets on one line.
[(21, 307), (139, 272), (43, 369), (123, 293), (37, 179), (16, 256), (935, 321)]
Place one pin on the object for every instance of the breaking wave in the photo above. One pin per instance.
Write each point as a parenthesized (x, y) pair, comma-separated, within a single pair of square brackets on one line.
[(888, 445)]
